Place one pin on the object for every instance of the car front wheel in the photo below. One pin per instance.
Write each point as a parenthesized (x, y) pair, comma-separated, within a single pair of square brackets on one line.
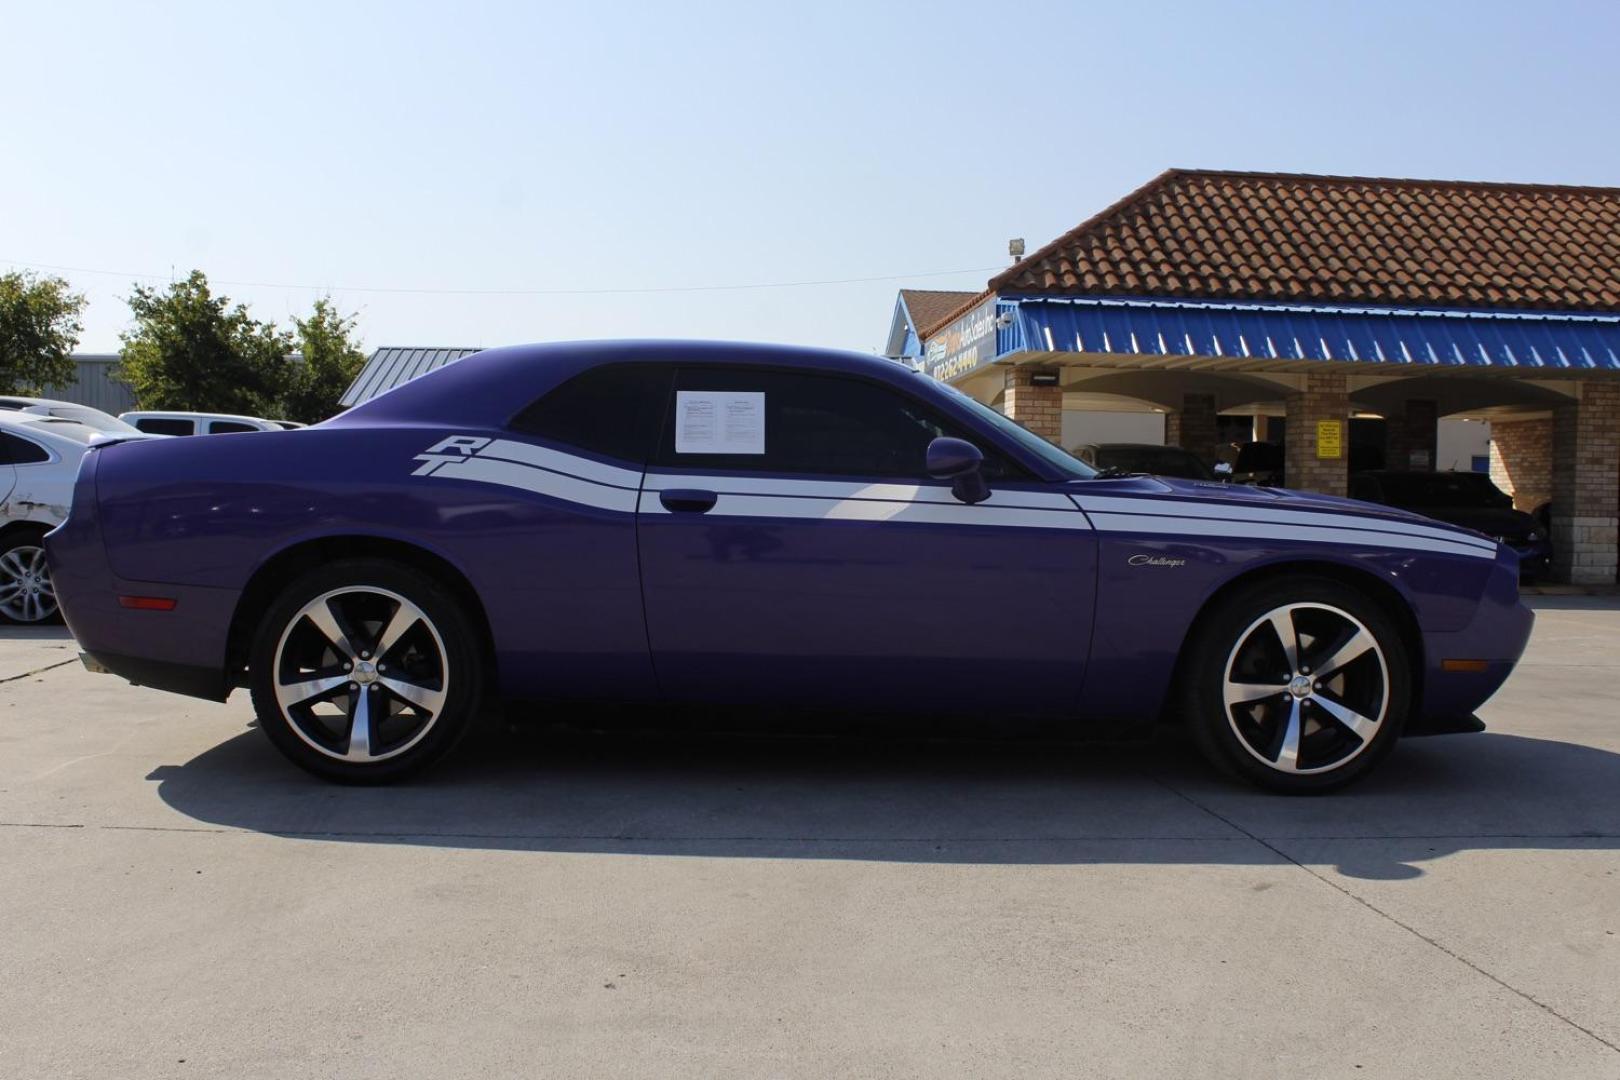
[(1298, 684), (364, 671)]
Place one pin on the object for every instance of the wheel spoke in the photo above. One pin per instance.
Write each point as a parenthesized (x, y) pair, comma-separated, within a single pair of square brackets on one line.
[(1362, 727), (325, 618), (421, 696), (300, 693), (1282, 624), (13, 564), (405, 616), (1242, 693), (359, 726), (1288, 750), (1358, 645)]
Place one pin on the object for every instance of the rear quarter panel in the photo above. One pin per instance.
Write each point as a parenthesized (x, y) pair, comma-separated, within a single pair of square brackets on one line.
[(557, 582)]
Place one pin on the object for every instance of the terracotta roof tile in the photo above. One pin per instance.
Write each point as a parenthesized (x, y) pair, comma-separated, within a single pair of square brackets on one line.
[(1278, 236), (929, 307)]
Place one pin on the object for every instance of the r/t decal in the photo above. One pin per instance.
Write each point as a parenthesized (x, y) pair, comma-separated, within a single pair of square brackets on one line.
[(445, 451)]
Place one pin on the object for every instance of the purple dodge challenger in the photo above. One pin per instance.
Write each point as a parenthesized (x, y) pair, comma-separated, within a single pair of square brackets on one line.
[(776, 529)]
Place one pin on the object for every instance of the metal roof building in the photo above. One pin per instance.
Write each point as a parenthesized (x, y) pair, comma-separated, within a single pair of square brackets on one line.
[(95, 385), (392, 366)]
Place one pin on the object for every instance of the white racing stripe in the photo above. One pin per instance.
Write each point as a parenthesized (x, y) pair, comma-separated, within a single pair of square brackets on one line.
[(802, 508), (557, 461), (1169, 508), (843, 489), (608, 487), (489, 470), (1237, 530)]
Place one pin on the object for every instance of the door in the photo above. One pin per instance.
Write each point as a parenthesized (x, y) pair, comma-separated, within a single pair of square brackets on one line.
[(794, 552)]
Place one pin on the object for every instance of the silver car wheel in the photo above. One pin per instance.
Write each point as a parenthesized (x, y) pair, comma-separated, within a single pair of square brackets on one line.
[(1306, 688), (26, 594), (361, 674)]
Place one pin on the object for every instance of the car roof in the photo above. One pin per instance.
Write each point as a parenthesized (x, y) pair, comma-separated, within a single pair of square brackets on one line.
[(35, 423), (487, 387), (1139, 446), (18, 401), (162, 414)]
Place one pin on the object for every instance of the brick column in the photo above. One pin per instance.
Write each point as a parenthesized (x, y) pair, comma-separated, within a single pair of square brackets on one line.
[(1326, 397), (1411, 437), (1193, 427), (1521, 460), (1586, 485), (1039, 408)]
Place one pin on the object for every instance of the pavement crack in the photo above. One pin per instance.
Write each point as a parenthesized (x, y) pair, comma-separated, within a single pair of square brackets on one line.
[(1381, 913), (40, 671)]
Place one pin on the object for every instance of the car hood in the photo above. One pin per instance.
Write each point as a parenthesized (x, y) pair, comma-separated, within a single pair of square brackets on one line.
[(1217, 493)]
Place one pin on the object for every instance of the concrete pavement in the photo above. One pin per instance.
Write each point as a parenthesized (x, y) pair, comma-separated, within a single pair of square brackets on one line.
[(178, 901)]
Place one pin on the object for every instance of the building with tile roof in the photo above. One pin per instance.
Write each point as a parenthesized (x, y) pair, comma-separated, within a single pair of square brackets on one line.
[(916, 310), (1330, 313)]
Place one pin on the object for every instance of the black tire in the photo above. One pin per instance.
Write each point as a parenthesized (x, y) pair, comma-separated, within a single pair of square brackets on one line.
[(1252, 739), (26, 543), (407, 737)]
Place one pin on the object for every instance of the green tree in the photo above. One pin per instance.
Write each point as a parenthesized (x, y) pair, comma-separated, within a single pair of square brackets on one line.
[(332, 358), (192, 350), (39, 326)]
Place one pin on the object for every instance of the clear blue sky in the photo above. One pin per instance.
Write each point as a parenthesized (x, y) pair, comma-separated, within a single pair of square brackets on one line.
[(610, 145)]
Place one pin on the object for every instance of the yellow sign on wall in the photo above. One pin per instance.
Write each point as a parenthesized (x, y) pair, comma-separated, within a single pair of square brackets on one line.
[(1329, 438)]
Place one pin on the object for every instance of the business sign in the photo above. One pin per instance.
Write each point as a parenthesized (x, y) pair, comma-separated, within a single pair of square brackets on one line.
[(966, 344), (1329, 439)]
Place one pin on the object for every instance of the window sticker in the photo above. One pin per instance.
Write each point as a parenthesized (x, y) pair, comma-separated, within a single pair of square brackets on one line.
[(719, 422)]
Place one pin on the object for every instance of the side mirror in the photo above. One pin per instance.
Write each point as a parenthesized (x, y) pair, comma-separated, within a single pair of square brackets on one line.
[(1223, 470), (961, 463)]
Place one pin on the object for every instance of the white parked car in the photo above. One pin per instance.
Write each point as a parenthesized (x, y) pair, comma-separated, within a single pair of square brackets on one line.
[(199, 423), (39, 459), (65, 410)]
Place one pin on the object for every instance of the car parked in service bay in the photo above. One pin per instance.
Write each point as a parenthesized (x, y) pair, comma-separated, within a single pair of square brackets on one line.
[(768, 528), (1151, 459), (1468, 499), (199, 423)]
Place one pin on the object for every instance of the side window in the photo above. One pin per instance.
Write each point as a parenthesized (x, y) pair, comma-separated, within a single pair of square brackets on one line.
[(818, 424), (20, 451), (613, 411), (157, 425), (229, 427)]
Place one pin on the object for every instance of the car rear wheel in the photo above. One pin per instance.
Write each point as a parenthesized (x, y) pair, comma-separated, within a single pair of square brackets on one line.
[(365, 671), (26, 594), (1298, 685)]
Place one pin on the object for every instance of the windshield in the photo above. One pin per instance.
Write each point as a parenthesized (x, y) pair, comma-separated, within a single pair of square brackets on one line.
[(1066, 463)]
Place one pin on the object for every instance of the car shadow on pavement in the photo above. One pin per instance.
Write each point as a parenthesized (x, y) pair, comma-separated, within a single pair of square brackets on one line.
[(922, 801)]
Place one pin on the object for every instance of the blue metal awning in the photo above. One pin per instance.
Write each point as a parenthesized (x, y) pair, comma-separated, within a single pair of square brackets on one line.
[(1278, 332)]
